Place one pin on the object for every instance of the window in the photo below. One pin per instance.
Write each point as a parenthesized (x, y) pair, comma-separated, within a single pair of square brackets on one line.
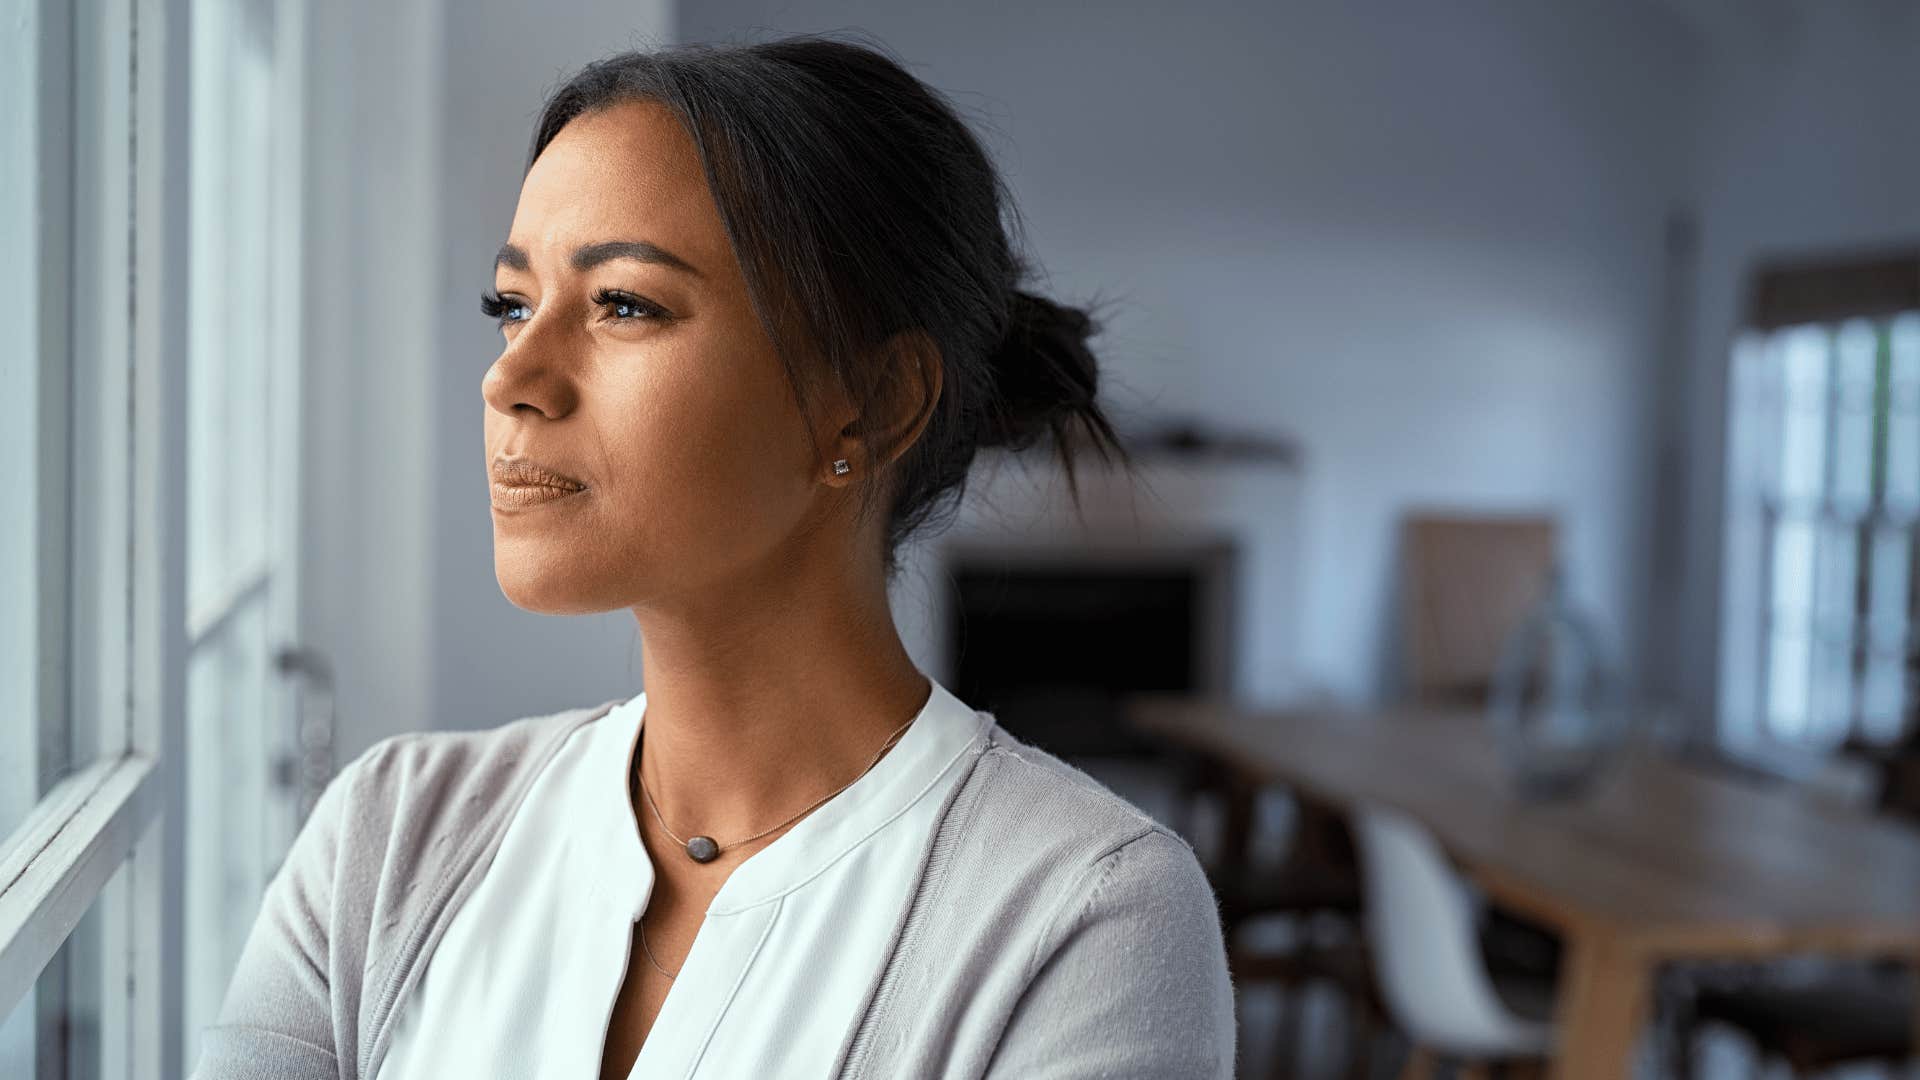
[(150, 205), (1824, 508), (90, 695)]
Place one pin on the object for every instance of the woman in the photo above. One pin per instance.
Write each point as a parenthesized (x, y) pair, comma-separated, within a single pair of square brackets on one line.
[(759, 312)]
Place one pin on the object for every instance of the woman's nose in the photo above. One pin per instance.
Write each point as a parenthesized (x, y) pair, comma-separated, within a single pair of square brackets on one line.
[(532, 372)]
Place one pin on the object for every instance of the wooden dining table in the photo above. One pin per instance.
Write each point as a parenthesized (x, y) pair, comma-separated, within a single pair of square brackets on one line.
[(1656, 861)]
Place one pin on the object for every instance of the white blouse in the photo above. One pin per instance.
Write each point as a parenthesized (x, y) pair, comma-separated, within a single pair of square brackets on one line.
[(523, 982)]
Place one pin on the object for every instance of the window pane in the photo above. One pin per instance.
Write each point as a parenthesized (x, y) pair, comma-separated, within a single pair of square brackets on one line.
[(55, 1031), (1903, 416), (229, 447), (243, 764), (1854, 391), (234, 826), (1835, 632), (29, 684), (1803, 442), (65, 146), (1790, 652), (1889, 619)]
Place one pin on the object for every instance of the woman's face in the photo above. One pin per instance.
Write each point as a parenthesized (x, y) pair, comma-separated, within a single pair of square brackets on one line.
[(633, 363)]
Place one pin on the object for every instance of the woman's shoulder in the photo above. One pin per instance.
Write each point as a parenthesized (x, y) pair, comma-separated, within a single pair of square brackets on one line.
[(1052, 901), (416, 808), (1026, 826), (408, 796), (1058, 800), (410, 760)]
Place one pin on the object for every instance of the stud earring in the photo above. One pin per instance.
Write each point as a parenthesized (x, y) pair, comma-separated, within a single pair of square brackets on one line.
[(841, 468)]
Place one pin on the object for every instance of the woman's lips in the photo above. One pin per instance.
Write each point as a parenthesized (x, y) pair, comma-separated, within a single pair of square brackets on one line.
[(518, 496), (519, 483), (523, 472)]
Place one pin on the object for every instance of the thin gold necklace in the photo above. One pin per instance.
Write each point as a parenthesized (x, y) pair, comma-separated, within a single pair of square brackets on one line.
[(704, 849)]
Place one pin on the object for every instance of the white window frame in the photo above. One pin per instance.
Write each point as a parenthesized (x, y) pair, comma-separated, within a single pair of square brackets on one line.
[(119, 205)]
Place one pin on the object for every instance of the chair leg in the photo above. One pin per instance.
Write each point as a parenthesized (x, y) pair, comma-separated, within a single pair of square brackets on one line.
[(1419, 1065), (1360, 1035), (1286, 1055), (1680, 1057), (1677, 1026)]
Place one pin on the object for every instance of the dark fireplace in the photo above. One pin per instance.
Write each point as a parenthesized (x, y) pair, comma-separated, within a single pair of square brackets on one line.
[(1050, 641)]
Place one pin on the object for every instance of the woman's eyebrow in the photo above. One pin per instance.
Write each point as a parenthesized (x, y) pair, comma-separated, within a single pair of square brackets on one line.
[(588, 256)]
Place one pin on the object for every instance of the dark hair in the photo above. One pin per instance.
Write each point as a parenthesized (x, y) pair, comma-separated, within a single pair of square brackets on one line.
[(860, 206)]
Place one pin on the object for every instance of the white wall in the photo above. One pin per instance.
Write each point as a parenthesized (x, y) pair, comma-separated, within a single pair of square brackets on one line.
[(1425, 239), (493, 662), (1809, 144), (1427, 242), (372, 100), (419, 117)]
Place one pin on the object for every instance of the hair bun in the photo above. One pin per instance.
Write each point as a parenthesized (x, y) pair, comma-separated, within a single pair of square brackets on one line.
[(1044, 373)]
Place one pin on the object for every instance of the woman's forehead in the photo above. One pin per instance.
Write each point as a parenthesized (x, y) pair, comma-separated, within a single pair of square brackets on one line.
[(625, 172)]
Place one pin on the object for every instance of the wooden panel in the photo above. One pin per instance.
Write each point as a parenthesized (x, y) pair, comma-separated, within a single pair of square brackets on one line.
[(1469, 583)]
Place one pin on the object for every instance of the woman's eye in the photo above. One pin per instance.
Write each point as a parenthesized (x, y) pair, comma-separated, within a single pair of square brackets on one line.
[(625, 305), (504, 310)]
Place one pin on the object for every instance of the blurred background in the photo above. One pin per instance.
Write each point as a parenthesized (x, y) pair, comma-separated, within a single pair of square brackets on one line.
[(1416, 311)]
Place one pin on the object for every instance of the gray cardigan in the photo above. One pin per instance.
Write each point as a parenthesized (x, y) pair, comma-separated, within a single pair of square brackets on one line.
[(1056, 931)]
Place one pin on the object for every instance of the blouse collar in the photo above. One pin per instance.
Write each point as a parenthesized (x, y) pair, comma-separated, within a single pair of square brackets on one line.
[(941, 732)]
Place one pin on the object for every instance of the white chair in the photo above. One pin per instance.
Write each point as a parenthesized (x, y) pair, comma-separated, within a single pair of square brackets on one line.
[(1422, 930)]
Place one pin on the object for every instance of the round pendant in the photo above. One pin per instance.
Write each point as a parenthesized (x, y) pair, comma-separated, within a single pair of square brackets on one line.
[(702, 849)]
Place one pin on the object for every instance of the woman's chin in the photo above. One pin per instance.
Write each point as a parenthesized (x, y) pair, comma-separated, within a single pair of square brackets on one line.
[(543, 589)]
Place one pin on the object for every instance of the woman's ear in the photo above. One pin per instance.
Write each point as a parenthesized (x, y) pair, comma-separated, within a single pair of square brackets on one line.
[(907, 385)]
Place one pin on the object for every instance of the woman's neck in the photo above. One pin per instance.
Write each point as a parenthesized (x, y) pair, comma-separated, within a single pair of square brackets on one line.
[(754, 715)]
